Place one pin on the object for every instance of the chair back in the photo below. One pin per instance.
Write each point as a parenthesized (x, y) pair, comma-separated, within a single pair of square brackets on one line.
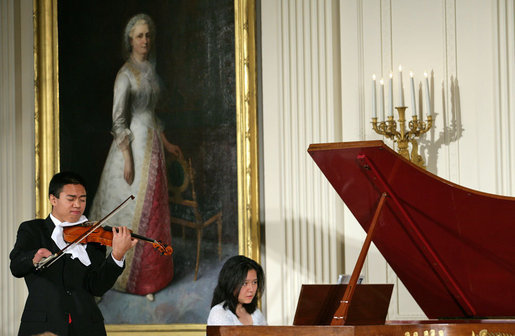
[(180, 178)]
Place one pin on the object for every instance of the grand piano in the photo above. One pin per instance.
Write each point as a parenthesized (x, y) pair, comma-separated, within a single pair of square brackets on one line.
[(452, 247)]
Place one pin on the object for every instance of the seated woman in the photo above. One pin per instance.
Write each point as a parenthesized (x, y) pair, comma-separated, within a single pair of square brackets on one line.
[(240, 284)]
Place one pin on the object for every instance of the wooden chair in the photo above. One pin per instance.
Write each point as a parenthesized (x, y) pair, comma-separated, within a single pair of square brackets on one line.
[(185, 209)]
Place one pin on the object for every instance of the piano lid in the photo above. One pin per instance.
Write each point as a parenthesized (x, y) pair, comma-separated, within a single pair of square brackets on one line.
[(452, 247)]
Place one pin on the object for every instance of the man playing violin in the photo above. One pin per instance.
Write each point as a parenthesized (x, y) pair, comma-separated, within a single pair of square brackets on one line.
[(61, 297)]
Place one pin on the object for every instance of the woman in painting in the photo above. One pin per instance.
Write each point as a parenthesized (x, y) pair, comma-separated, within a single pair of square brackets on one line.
[(240, 285), (135, 164)]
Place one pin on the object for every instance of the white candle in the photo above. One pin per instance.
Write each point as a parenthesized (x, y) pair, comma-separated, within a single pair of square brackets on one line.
[(374, 112), (428, 96), (390, 110), (413, 99), (381, 99), (401, 89)]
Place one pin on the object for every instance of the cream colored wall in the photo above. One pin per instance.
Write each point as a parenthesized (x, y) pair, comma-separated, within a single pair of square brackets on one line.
[(16, 147), (318, 60), (301, 105)]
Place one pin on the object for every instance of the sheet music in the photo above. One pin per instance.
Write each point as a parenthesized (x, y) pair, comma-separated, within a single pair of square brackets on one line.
[(343, 279)]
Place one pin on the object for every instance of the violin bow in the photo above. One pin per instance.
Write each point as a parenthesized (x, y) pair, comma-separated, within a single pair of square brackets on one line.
[(46, 262)]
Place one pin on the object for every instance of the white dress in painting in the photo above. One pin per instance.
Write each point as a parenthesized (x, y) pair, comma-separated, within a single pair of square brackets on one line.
[(136, 92)]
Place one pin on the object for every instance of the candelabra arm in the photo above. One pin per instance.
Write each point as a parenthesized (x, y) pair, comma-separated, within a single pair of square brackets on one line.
[(384, 127), (415, 157), (391, 127), (375, 126)]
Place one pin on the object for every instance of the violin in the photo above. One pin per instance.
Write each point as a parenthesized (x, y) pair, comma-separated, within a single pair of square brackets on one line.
[(104, 236), (95, 232)]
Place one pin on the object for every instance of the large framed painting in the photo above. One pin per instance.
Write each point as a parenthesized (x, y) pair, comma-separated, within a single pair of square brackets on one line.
[(195, 94)]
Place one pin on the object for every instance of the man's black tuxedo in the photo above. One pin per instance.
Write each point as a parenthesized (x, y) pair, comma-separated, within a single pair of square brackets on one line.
[(63, 290)]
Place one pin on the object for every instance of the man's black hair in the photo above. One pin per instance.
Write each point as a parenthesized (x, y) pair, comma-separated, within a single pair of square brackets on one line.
[(61, 179)]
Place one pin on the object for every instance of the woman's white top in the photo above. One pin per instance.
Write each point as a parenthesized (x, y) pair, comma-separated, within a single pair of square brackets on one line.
[(220, 316)]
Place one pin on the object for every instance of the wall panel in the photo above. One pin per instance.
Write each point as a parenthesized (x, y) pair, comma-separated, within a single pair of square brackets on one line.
[(16, 148), (301, 229)]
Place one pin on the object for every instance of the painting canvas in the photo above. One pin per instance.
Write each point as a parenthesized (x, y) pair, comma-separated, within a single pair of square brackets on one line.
[(195, 62)]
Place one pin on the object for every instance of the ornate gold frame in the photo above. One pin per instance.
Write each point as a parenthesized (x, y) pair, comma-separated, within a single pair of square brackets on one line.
[(47, 134)]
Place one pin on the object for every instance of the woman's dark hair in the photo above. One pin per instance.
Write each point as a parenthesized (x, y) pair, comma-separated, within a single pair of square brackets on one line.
[(61, 179), (230, 280)]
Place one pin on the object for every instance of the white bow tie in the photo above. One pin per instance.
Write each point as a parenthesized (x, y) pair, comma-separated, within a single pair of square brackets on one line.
[(79, 250)]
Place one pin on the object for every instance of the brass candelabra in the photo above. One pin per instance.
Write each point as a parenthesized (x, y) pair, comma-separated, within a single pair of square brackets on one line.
[(402, 136)]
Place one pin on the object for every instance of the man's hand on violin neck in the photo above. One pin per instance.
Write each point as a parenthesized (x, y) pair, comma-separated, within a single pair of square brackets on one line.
[(122, 242)]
